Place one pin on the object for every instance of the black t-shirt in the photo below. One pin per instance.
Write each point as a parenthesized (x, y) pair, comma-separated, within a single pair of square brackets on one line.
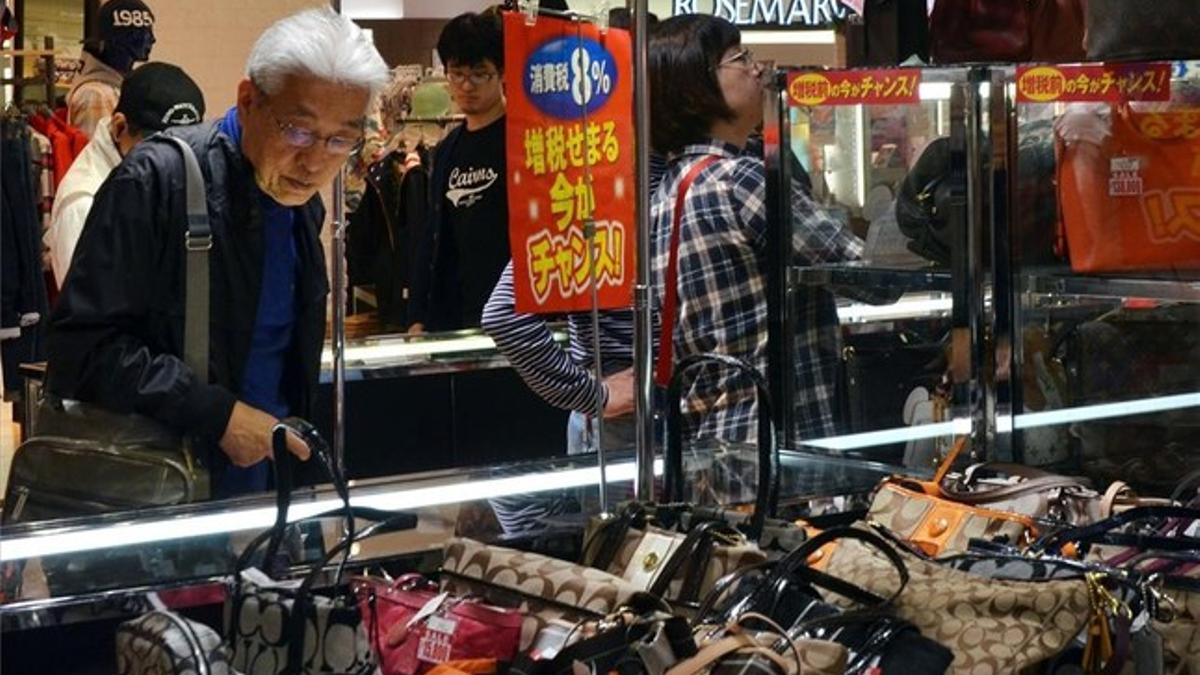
[(476, 209)]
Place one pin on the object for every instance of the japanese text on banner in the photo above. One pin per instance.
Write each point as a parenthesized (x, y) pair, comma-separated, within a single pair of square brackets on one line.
[(570, 153)]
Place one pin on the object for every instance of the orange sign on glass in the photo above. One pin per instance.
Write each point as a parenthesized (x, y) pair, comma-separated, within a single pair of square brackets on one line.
[(1100, 83), (852, 87)]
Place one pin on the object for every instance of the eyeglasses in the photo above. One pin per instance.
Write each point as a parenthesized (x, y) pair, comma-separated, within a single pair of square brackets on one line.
[(476, 78), (744, 58), (299, 137)]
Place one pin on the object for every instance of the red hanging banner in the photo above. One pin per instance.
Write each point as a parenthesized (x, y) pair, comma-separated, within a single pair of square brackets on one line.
[(1094, 82), (570, 161)]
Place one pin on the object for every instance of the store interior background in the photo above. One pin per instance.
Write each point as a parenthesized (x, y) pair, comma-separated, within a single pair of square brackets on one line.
[(211, 40)]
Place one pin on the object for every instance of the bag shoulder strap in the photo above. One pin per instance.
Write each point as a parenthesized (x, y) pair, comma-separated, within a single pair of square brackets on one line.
[(666, 338), (197, 243)]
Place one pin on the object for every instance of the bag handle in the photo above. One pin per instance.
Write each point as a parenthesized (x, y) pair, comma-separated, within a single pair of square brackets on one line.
[(768, 453), (666, 337), (798, 560), (1006, 492), (1102, 532), (1190, 483), (195, 646), (197, 242), (283, 467)]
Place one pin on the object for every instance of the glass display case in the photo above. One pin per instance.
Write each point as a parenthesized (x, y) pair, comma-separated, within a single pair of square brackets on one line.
[(1104, 272), (898, 158)]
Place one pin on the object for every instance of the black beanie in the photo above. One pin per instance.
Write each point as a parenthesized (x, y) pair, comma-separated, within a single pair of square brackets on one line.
[(120, 16)]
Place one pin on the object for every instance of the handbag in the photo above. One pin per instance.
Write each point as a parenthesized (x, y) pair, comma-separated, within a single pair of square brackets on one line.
[(964, 31), (706, 544), (1124, 201), (413, 627), (628, 642), (931, 205), (785, 591), (543, 589), (734, 649), (991, 624), (165, 643), (888, 33), (918, 512), (283, 628), (82, 459), (1128, 31)]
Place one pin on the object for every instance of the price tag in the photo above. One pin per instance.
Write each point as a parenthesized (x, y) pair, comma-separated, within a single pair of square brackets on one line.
[(436, 644), (428, 609)]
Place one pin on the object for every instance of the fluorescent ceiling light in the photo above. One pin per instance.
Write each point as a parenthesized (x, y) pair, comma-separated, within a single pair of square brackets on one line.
[(1106, 410), (259, 518), (872, 439), (940, 91), (904, 309), (373, 9), (788, 37), (401, 349)]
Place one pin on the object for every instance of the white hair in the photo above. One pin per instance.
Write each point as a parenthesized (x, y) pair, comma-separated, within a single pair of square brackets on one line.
[(321, 43)]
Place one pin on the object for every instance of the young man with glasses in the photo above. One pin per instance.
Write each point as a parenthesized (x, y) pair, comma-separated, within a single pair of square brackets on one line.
[(116, 336), (467, 243)]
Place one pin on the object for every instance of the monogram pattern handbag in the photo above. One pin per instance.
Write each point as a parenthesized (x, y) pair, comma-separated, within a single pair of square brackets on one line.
[(164, 643), (990, 625), (542, 588)]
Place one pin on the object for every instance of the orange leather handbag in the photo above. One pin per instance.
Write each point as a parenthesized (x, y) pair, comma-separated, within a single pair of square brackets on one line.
[(920, 513), (1132, 202)]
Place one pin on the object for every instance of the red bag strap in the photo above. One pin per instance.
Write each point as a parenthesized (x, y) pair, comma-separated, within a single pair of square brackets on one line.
[(666, 338)]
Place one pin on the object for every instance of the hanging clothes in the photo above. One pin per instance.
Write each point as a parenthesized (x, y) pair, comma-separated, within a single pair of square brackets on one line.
[(382, 232), (66, 142), (23, 302)]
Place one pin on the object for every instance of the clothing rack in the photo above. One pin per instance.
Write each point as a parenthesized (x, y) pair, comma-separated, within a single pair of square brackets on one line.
[(47, 77)]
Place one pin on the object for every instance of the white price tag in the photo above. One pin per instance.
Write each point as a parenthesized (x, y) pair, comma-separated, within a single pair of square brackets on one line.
[(436, 645), (429, 608)]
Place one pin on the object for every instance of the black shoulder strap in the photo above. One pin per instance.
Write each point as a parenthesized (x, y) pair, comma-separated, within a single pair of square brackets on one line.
[(198, 242)]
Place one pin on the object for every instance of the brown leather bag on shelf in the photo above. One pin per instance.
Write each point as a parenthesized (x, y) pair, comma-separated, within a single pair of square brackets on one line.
[(1163, 30), (965, 31)]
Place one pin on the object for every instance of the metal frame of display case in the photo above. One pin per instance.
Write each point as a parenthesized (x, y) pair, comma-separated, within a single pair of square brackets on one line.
[(966, 280)]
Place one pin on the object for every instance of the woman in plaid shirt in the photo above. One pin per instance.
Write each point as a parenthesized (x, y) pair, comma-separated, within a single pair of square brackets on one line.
[(707, 100)]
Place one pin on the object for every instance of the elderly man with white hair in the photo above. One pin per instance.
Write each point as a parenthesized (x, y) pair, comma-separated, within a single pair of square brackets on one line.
[(117, 332)]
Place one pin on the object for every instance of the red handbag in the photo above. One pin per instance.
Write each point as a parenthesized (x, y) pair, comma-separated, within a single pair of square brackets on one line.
[(963, 31), (413, 627)]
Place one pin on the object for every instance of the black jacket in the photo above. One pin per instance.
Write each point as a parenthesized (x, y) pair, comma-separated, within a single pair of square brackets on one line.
[(436, 298), (116, 334)]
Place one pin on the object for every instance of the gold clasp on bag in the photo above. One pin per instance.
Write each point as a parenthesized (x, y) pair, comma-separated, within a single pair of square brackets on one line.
[(651, 562)]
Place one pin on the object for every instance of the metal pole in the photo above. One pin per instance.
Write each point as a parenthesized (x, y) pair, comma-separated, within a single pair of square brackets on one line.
[(339, 324), (339, 312), (643, 321), (780, 316)]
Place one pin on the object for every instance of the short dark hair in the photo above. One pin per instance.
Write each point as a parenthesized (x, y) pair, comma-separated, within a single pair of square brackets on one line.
[(621, 17), (685, 96), (470, 39)]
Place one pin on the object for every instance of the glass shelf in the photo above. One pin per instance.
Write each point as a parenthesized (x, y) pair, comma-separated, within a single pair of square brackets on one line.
[(1164, 289), (864, 274)]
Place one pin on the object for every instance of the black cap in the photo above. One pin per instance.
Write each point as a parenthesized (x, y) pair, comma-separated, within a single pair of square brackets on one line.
[(159, 95), (123, 16)]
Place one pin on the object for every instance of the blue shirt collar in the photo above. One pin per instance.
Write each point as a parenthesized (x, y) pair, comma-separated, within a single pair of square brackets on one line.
[(231, 126)]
